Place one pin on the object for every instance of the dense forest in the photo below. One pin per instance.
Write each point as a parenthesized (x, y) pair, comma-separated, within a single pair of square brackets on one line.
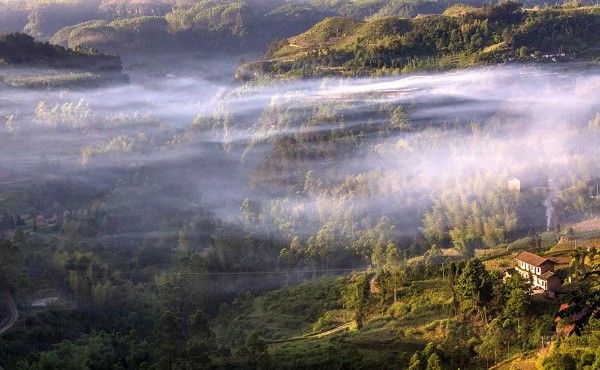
[(366, 219), (208, 27), (463, 36), (22, 50), (56, 66), (163, 245)]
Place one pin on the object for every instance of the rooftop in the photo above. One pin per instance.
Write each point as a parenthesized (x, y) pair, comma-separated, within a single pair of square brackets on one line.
[(547, 275), (532, 259)]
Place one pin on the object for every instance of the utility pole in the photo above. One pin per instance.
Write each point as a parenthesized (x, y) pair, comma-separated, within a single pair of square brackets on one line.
[(542, 342)]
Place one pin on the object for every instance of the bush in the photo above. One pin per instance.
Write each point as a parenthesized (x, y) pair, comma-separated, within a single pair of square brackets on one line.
[(559, 362)]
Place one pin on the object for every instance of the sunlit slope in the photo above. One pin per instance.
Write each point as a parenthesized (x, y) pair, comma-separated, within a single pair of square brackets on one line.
[(463, 36), (372, 9), (206, 27), (423, 319)]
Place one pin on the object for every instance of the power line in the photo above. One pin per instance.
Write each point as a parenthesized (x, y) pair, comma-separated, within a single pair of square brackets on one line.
[(209, 273)]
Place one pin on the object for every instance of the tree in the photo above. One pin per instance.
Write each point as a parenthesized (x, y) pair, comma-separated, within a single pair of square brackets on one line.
[(579, 262), (434, 362), (19, 236), (517, 297), (559, 361), (378, 257), (498, 335), (200, 344), (400, 120), (199, 325), (255, 347), (392, 264), (415, 362), (474, 284), (296, 255), (355, 296), (380, 234), (168, 336), (11, 260)]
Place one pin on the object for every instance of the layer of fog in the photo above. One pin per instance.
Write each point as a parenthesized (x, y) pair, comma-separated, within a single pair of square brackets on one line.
[(536, 111)]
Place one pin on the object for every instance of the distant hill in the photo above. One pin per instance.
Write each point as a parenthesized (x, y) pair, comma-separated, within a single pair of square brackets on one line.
[(463, 36), (129, 35), (81, 66), (371, 9), (22, 49), (206, 26)]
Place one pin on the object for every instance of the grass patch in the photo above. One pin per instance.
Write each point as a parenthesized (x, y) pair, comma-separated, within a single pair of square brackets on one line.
[(280, 314), (54, 81)]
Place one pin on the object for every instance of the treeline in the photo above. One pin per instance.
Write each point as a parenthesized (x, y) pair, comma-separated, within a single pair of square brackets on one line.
[(22, 49), (463, 36), (132, 288), (134, 27), (456, 315), (372, 9), (478, 297), (44, 18), (224, 27)]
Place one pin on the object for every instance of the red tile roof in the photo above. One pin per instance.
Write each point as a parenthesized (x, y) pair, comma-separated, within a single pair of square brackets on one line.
[(532, 259), (568, 329)]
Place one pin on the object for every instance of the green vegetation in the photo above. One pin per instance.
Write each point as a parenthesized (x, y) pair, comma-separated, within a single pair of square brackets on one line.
[(341, 239), (68, 68), (441, 322), (134, 275), (208, 26), (463, 36), (21, 49)]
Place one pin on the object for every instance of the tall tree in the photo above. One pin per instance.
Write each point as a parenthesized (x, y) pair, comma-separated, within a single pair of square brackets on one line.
[(355, 296), (517, 297), (474, 284)]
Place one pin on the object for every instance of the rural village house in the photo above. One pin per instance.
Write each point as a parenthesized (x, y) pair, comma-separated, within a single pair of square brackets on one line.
[(539, 270)]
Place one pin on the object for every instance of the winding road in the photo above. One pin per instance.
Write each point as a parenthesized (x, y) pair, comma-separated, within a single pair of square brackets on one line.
[(8, 322)]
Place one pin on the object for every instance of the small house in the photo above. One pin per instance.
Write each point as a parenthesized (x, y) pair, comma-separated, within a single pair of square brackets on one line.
[(571, 322), (539, 270)]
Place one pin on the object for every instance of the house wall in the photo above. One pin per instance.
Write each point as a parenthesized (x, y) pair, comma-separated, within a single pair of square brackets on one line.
[(538, 282), (526, 270), (553, 283), (546, 266)]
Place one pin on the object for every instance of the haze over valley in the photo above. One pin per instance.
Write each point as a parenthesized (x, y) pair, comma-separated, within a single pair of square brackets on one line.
[(299, 184)]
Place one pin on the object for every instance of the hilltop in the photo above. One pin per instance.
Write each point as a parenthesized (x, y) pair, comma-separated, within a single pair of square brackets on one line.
[(463, 36), (134, 28), (81, 66), (21, 49)]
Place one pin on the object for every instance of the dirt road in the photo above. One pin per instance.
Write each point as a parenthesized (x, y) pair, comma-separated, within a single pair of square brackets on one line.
[(8, 322)]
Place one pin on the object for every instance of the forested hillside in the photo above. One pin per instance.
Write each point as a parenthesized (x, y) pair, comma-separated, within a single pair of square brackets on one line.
[(463, 36), (372, 9), (369, 219), (207, 27), (161, 239), (21, 49)]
